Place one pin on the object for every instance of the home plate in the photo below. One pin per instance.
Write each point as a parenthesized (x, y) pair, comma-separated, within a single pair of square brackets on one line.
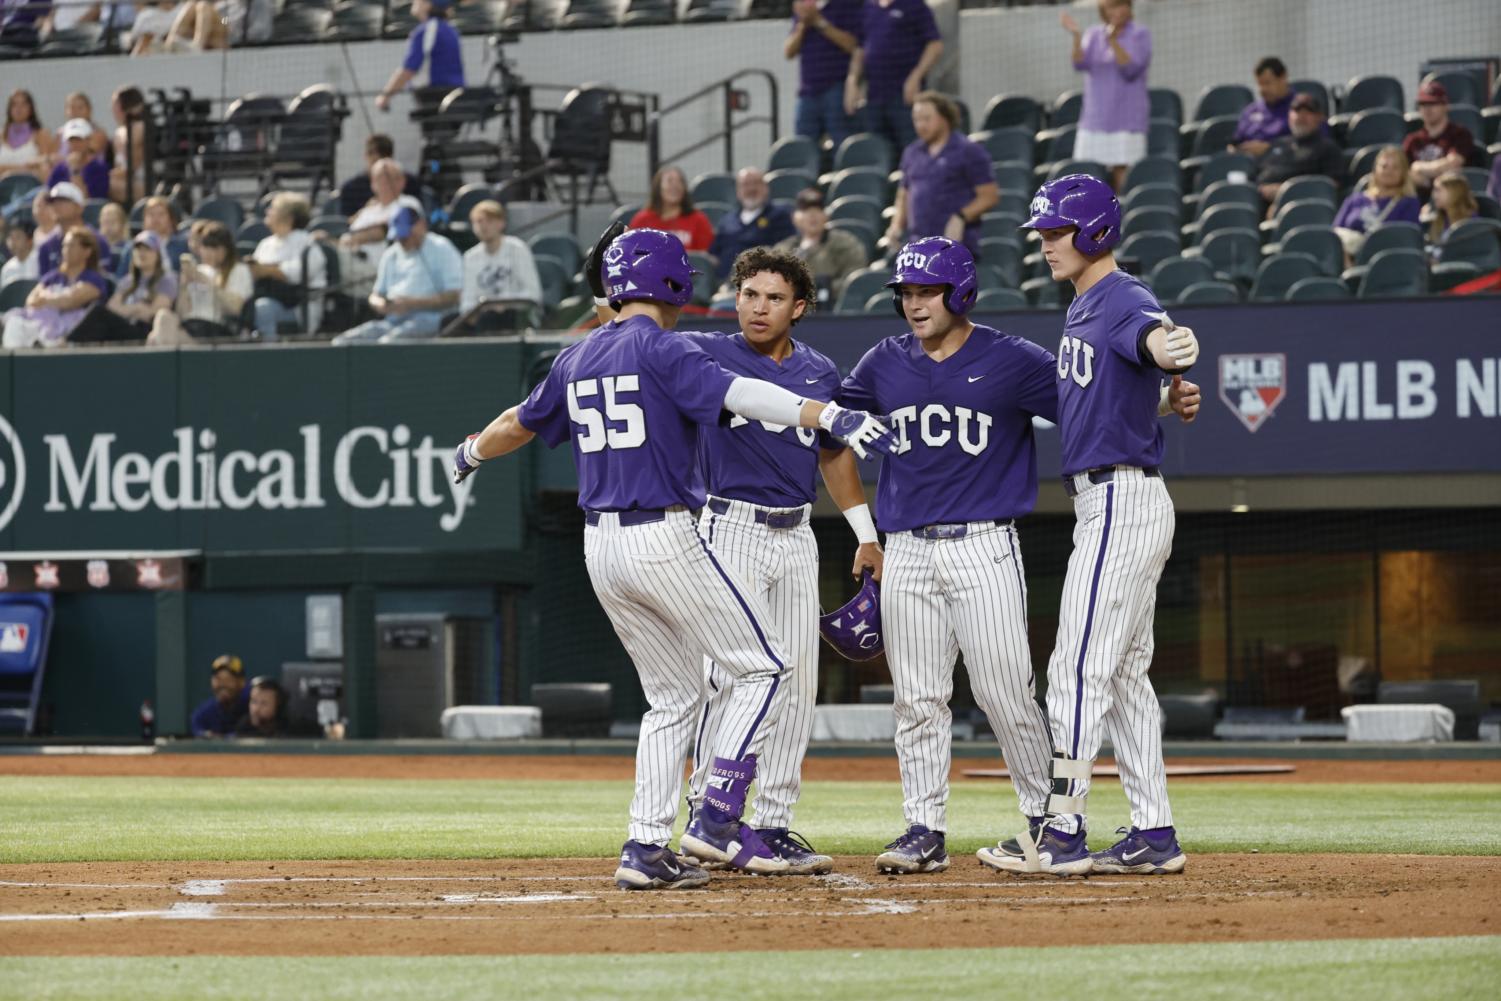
[(1178, 770)]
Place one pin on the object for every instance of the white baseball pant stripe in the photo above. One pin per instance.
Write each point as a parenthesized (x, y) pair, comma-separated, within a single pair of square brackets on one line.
[(672, 603), (781, 567), (1097, 676), (938, 598)]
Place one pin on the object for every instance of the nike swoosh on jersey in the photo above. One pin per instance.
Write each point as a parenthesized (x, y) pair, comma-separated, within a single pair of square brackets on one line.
[(976, 378), (810, 381)]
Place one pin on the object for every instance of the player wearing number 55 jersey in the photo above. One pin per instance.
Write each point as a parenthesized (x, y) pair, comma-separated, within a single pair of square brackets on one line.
[(1117, 343), (631, 397)]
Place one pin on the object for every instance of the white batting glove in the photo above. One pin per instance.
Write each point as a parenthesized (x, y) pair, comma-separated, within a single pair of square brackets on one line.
[(464, 459), (1183, 346), (857, 429)]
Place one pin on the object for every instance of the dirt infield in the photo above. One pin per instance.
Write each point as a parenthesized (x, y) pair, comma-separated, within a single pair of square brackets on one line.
[(571, 905), (583, 767)]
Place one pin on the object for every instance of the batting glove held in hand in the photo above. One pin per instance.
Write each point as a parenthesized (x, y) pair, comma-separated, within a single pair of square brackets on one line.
[(464, 459), (1183, 346), (857, 429)]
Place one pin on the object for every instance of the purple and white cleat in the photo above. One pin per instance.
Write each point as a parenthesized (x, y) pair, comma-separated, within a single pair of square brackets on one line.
[(654, 867), (1041, 850), (801, 859), (918, 850), (716, 834), (1143, 853)]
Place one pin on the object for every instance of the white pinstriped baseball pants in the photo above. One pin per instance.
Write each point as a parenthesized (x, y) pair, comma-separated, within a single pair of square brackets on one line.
[(781, 567), (673, 602), (940, 597), (1097, 676)]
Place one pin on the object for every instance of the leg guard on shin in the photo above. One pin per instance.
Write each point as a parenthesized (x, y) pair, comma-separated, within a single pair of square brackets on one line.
[(1064, 769)]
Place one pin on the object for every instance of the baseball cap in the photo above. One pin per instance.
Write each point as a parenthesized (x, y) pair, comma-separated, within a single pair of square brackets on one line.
[(76, 128), (66, 191), (810, 198), (1433, 92), (149, 239), (228, 662), (1307, 102), (408, 212)]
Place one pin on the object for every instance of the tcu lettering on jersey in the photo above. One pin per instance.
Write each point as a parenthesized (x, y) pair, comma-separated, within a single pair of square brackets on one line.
[(622, 425), (1076, 359), (936, 427), (805, 435)]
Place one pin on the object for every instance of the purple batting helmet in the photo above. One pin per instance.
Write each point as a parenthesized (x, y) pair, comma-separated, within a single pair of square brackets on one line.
[(1083, 201), (647, 264), (855, 629), (936, 260)]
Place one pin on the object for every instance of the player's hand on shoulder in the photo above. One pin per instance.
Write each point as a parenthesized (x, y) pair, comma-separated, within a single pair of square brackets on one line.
[(465, 461), (1184, 398), (594, 263), (1183, 346), (857, 429), (870, 557)]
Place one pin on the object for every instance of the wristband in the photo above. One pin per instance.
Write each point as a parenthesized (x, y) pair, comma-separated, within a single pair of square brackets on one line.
[(470, 455), (860, 520), (600, 300), (827, 414)]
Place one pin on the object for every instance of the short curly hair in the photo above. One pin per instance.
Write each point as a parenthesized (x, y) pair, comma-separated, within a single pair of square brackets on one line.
[(779, 262)]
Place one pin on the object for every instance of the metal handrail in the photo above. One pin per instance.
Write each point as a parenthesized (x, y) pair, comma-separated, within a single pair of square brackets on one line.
[(726, 88)]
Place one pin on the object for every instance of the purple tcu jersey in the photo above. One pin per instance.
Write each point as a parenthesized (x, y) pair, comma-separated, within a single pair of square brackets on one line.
[(967, 452), (756, 461), (631, 396), (1107, 395)]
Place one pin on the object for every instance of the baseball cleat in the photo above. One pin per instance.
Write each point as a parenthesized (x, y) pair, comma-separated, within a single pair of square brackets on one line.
[(918, 850), (1143, 853), (654, 867), (708, 865), (732, 842), (800, 857), (1053, 852)]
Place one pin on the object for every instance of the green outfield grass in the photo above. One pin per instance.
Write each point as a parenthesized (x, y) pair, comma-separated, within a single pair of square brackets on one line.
[(1378, 970), (49, 819)]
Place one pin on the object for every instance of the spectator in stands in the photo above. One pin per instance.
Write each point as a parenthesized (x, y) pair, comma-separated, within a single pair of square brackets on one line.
[(1114, 57), (222, 714), (832, 254), (219, 24), (670, 209), (77, 105), (80, 164), (1307, 149), (128, 105), (159, 216), (43, 215), (61, 297), (1440, 145), (66, 202), (419, 280), (1388, 196), (361, 246), (19, 20), (26, 147), (757, 222), (152, 28), (211, 292), (1452, 203), (265, 714), (899, 44), (114, 230), (498, 267), (22, 263), (356, 192), (148, 287), (1266, 118), (435, 42), (287, 267), (825, 33), (947, 184)]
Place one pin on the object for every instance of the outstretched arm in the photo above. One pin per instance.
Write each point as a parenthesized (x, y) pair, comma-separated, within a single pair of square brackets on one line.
[(504, 435), (756, 400)]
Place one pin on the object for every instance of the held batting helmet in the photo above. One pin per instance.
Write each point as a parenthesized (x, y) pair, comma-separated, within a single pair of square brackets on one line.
[(647, 264), (1083, 201), (936, 260), (855, 629)]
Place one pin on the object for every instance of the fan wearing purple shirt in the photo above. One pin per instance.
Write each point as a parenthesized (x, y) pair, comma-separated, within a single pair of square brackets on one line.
[(948, 183), (1264, 120), (1113, 56), (899, 45), (631, 398), (1117, 345), (762, 481), (824, 34)]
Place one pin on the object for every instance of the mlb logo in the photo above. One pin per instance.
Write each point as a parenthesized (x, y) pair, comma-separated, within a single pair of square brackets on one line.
[(98, 573), (1252, 386), (148, 573), (13, 637)]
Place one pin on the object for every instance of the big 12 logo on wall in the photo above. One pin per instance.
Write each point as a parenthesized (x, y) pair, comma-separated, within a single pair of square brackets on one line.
[(1252, 385)]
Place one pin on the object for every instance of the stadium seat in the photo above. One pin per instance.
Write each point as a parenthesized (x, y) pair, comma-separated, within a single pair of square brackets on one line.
[(864, 149), (713, 187), (1014, 179), (876, 304), (1162, 137), (298, 24), (1375, 91), (865, 209), (794, 153), (704, 280), (1222, 217), (1170, 277), (785, 185), (1211, 135), (1387, 236), (91, 210), (1231, 193), (226, 210), (1055, 144), (1226, 99), (562, 246), (628, 211), (1395, 273), (580, 14), (1375, 127), (1148, 250), (1004, 256), (1233, 253), (1320, 288), (1041, 292), (1278, 274), (1154, 170), (860, 286), (707, 11), (1162, 196), (252, 230), (1006, 144), (1444, 275), (1295, 214), (1309, 187), (1210, 293), (1478, 178), (555, 277), (13, 294), (334, 225), (356, 22), (997, 299), (871, 182), (1467, 116), (1219, 167), (866, 234), (1002, 225), (1166, 104), (464, 201), (1318, 242), (639, 12), (1012, 110), (1150, 219), (79, 40), (1065, 109), (1475, 241), (15, 187), (1063, 168), (1462, 87), (1487, 207), (1363, 161)]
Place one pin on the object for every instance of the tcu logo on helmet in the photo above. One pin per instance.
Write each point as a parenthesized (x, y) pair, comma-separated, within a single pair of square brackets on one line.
[(1041, 205), (911, 259)]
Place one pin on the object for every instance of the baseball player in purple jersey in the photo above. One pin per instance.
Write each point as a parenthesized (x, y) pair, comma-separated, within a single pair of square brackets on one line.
[(1117, 344), (631, 398), (762, 483)]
